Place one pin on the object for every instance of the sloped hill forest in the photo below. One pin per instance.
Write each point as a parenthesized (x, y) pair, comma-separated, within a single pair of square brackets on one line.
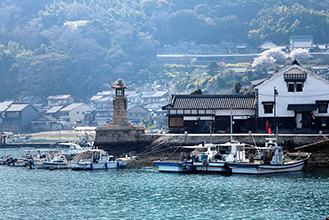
[(78, 46)]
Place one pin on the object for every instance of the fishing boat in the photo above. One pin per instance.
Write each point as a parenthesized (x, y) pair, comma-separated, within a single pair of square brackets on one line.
[(95, 159), (269, 160), (58, 161), (212, 158)]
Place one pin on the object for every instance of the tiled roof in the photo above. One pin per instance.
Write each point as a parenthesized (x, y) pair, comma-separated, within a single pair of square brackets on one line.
[(211, 102)]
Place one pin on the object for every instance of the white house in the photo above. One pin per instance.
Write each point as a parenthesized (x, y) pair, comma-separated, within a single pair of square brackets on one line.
[(73, 114), (301, 100)]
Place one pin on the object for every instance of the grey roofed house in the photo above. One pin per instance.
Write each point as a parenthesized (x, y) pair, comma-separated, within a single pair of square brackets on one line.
[(59, 100), (266, 45), (137, 112), (301, 41), (18, 117), (46, 123), (211, 102)]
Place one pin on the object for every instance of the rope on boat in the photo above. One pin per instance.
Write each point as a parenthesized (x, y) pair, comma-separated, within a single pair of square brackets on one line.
[(157, 146), (175, 150)]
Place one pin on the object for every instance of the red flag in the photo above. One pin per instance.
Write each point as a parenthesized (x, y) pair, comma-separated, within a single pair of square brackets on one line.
[(312, 115), (269, 130)]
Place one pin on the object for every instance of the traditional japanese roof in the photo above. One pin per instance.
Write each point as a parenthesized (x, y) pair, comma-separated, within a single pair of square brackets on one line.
[(301, 41), (211, 102), (267, 45)]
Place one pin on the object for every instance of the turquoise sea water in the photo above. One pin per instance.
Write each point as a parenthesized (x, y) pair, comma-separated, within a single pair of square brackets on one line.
[(144, 193)]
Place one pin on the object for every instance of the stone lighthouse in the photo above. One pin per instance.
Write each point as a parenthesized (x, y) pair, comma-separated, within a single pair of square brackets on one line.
[(119, 133), (120, 104)]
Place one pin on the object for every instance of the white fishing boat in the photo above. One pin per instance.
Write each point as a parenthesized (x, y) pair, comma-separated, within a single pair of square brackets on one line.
[(212, 158), (95, 159), (269, 160), (58, 161), (71, 149)]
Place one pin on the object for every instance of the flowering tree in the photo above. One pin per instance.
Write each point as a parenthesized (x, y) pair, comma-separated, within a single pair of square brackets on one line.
[(263, 61), (302, 55), (268, 57), (277, 54)]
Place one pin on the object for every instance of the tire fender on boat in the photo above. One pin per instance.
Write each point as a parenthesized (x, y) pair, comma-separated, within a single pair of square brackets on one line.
[(118, 165), (106, 166), (91, 166)]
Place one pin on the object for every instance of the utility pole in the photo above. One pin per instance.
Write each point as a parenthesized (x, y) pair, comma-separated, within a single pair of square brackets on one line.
[(275, 115)]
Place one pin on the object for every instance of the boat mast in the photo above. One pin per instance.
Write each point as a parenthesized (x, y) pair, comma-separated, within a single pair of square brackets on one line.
[(231, 122)]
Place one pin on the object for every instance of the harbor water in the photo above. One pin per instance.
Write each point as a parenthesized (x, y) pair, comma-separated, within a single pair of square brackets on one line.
[(144, 193)]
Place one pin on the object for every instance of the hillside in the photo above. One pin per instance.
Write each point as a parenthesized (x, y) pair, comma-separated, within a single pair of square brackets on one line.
[(77, 46)]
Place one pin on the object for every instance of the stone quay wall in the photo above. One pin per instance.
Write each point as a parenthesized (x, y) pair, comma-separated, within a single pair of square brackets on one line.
[(151, 147)]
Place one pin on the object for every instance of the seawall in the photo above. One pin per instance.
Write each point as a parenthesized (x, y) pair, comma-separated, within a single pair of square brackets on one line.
[(150, 147)]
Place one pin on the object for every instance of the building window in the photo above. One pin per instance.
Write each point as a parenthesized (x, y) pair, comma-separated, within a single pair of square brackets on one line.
[(291, 87), (295, 86), (323, 108), (187, 112), (299, 87), (268, 108)]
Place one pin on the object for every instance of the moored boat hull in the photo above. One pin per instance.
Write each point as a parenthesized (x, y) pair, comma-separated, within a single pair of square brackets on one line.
[(211, 167), (175, 167), (258, 169), (56, 165), (95, 166)]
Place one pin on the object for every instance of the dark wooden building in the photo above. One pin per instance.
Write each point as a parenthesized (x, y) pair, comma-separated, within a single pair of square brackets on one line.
[(205, 113)]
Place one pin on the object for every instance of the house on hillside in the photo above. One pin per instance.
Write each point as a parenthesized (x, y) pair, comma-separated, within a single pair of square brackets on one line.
[(46, 123), (103, 104), (266, 45), (54, 100), (150, 97), (54, 111), (17, 117), (73, 114), (297, 96), (301, 41), (136, 113), (205, 113)]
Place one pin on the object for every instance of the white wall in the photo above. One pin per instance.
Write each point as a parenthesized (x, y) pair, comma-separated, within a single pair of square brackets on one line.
[(315, 88)]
